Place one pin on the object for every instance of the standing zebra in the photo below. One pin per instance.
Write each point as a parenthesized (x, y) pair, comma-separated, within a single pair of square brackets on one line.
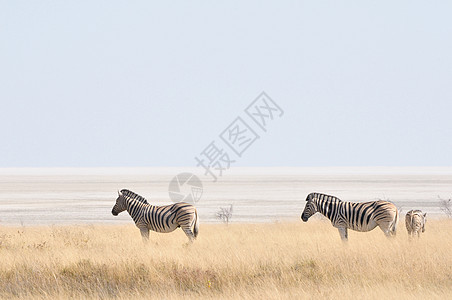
[(356, 216), (415, 222), (157, 218)]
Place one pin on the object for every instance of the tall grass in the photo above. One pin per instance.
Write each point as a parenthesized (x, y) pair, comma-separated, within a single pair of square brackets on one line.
[(284, 260)]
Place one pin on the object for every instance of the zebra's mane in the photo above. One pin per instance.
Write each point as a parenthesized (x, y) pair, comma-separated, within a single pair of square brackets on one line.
[(327, 197), (131, 195)]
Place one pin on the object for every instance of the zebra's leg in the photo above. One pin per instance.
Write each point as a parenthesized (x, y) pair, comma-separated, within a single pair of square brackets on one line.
[(145, 234), (386, 227), (188, 233), (344, 233), (386, 232)]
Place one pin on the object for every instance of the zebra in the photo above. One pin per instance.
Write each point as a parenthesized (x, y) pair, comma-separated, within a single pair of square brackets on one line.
[(415, 222), (165, 218), (343, 215)]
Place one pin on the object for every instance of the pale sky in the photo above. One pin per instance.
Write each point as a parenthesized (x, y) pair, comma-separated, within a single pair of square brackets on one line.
[(142, 84)]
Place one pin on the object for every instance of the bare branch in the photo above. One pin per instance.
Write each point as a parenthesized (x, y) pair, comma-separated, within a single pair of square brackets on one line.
[(445, 205), (225, 213)]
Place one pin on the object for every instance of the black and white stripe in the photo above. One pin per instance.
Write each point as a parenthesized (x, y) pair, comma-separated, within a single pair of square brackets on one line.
[(343, 215), (165, 218), (415, 222)]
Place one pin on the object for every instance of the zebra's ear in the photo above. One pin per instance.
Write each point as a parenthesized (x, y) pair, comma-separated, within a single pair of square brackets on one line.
[(119, 193), (425, 215)]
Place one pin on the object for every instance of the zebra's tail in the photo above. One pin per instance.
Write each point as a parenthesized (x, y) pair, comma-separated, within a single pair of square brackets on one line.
[(411, 221), (196, 225), (394, 224)]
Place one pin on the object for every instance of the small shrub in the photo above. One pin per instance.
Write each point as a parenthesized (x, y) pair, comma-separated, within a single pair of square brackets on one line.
[(225, 214), (445, 205)]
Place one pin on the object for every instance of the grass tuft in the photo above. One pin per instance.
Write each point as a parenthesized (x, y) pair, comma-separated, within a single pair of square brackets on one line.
[(240, 260)]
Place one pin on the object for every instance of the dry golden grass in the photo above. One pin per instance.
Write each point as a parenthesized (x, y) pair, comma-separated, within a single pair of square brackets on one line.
[(288, 260)]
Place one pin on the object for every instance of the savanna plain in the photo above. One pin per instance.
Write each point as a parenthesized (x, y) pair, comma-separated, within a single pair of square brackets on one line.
[(248, 261)]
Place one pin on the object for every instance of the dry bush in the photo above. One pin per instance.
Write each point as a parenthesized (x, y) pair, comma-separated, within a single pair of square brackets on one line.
[(445, 205), (286, 260), (225, 214)]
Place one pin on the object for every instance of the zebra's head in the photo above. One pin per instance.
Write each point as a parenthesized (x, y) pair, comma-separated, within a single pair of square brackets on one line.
[(310, 208), (120, 205), (424, 221)]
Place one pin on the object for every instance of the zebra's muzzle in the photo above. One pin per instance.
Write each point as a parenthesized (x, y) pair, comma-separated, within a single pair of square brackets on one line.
[(304, 219), (114, 213)]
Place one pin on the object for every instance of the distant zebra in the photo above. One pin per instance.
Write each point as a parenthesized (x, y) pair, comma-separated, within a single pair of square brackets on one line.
[(157, 218), (356, 216), (415, 222)]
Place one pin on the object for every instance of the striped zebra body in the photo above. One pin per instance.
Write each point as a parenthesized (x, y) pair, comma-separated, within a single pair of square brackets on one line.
[(343, 215), (415, 222), (163, 219)]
